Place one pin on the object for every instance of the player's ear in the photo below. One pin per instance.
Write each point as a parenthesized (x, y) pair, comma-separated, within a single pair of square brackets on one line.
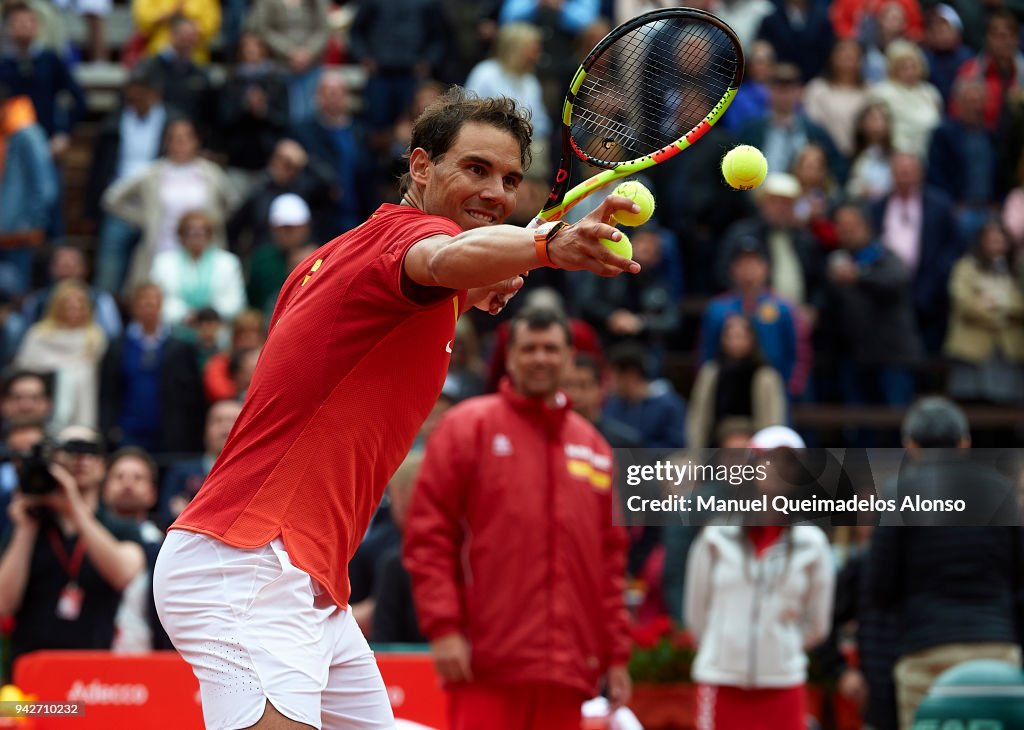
[(419, 166)]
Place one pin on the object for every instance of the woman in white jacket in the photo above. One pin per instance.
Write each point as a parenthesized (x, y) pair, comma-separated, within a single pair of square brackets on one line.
[(756, 599)]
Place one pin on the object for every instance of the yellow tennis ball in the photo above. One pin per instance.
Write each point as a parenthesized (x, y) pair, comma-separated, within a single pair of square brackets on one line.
[(640, 195), (744, 167), (622, 247)]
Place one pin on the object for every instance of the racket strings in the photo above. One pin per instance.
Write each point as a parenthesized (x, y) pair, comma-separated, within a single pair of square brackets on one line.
[(649, 88)]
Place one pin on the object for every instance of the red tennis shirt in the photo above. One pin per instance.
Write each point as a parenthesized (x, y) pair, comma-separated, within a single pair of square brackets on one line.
[(349, 372)]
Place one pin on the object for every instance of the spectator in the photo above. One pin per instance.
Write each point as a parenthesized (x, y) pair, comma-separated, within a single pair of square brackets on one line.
[(585, 386), (336, 145), (253, 106), (241, 366), (65, 553), (917, 223), (166, 23), (775, 320), (157, 197), (795, 264), (185, 477), (986, 330), (772, 584), (963, 158), (870, 172), (801, 34), (68, 342), (129, 139), (944, 48), (197, 274), (28, 190), (207, 326), (248, 332), (1013, 212), (150, 390), (296, 34), (467, 372), (510, 72), (871, 314), (394, 612), (268, 266), (834, 99), (737, 383), (819, 193), (68, 262), (956, 590), (27, 400), (859, 19), (658, 414), (43, 76), (644, 308), (869, 685), (287, 171), (19, 439), (94, 12), (129, 492), (584, 337), (398, 44), (1000, 65), (891, 26), (751, 101), (744, 17), (785, 129), (500, 664), (186, 85), (915, 106)]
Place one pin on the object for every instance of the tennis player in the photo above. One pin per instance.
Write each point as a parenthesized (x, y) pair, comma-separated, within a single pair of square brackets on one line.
[(251, 583)]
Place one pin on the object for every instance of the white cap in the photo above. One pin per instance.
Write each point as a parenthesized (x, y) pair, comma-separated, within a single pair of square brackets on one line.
[(289, 210), (776, 437), (950, 15), (782, 184)]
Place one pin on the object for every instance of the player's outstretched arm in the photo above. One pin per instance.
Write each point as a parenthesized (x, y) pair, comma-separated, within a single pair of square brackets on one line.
[(483, 256)]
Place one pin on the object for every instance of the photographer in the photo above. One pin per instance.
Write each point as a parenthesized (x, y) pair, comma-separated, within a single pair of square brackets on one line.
[(65, 562)]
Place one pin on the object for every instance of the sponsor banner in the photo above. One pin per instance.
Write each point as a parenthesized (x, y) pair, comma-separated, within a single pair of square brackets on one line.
[(158, 690), (828, 487)]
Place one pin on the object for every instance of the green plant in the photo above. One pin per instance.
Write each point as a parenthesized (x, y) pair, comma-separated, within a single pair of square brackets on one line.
[(662, 652)]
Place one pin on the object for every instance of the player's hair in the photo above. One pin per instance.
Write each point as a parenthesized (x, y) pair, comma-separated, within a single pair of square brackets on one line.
[(18, 7), (136, 452), (539, 318), (935, 422), (437, 127)]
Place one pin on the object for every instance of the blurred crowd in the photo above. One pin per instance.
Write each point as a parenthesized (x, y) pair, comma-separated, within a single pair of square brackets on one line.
[(882, 258)]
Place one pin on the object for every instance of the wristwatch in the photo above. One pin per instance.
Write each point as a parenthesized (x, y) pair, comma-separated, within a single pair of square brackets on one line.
[(542, 236)]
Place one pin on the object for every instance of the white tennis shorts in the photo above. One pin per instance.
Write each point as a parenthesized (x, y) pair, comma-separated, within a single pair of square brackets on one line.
[(255, 628)]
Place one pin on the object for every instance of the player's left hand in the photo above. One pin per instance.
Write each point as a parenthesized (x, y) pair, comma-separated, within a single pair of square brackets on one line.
[(492, 299), (620, 686)]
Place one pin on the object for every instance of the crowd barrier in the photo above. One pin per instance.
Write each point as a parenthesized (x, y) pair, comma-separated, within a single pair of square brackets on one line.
[(158, 690)]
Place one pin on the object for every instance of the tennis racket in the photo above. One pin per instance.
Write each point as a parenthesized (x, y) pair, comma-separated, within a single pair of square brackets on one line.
[(651, 88)]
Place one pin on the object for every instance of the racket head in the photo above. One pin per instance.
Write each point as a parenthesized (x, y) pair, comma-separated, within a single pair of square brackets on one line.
[(650, 88)]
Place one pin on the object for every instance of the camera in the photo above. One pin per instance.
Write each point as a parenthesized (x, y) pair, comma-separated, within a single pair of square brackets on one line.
[(33, 469)]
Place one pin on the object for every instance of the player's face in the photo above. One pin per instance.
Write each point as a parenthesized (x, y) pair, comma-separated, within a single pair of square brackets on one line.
[(475, 182), (537, 360)]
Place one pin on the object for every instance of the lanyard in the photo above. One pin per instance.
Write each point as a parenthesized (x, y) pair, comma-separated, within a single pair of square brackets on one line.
[(71, 565)]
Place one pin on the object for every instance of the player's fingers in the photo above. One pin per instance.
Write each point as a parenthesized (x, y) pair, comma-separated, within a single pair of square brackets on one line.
[(614, 203)]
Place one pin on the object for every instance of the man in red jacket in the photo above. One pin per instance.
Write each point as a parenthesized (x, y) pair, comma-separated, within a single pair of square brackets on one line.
[(517, 570)]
